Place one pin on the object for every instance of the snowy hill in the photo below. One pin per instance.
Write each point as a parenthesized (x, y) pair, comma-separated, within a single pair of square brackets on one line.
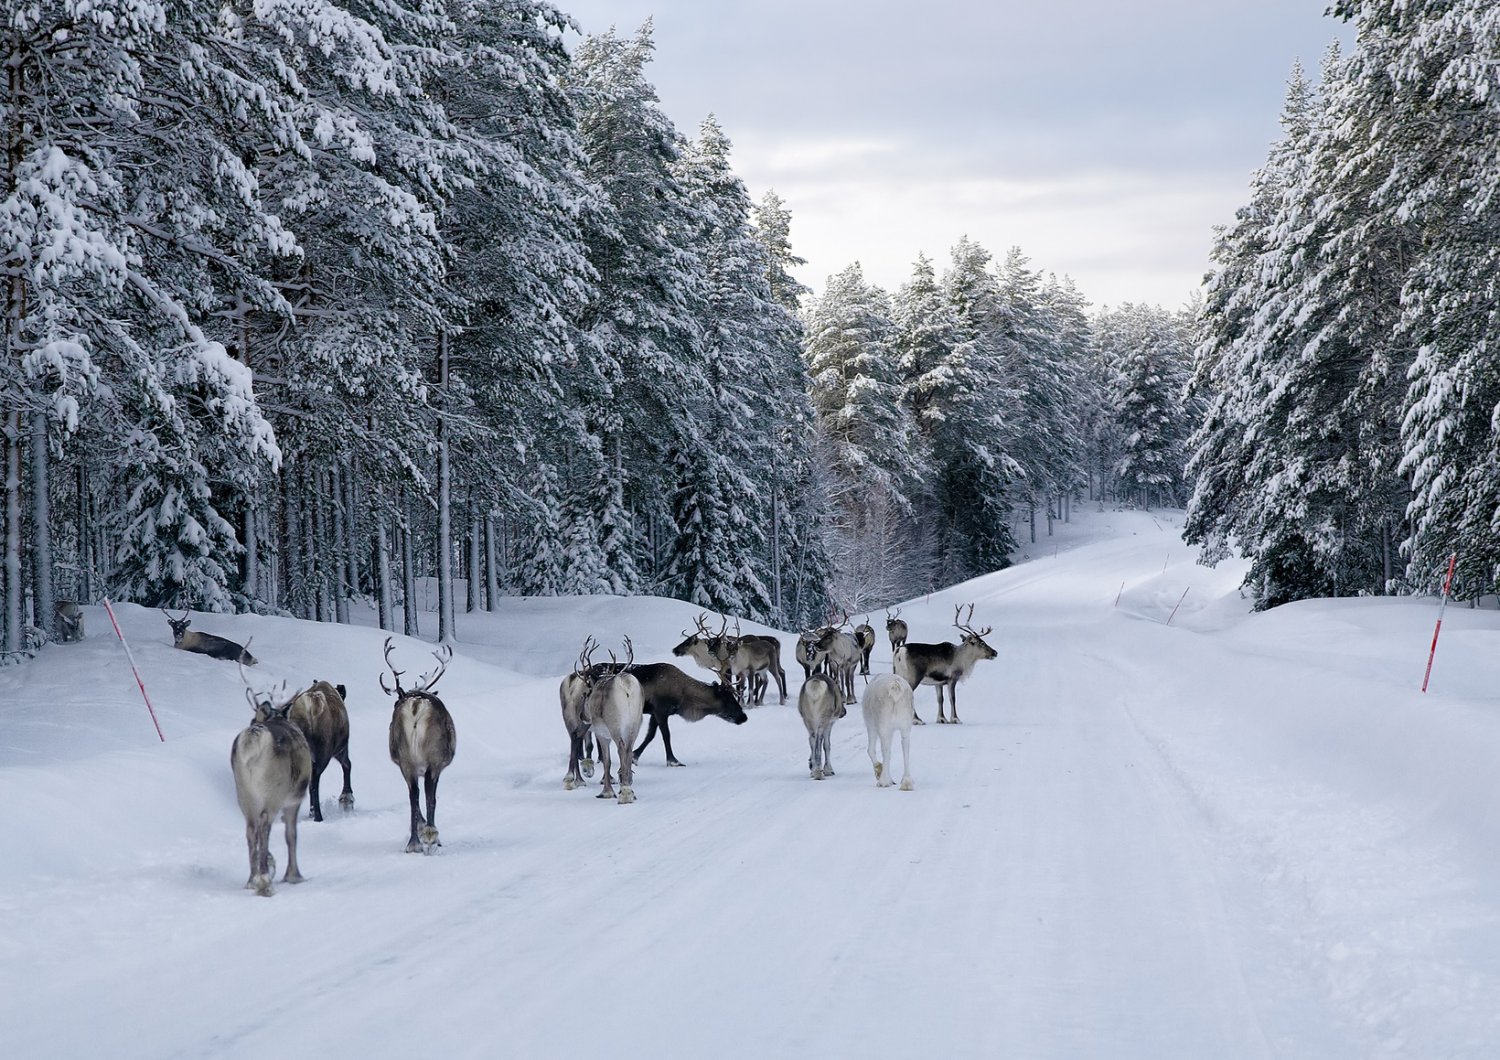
[(1233, 835)]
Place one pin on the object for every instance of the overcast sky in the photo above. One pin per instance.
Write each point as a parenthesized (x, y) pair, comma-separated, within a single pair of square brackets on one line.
[(1105, 138)]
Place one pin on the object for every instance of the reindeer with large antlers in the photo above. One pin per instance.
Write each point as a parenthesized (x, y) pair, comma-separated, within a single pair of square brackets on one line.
[(709, 650), (422, 743), (837, 654), (895, 628), (945, 664)]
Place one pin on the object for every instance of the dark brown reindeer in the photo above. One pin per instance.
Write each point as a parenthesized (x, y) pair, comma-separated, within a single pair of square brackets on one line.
[(272, 765), (323, 718), (668, 691), (945, 664), (572, 694), (864, 636), (422, 743), (895, 628), (205, 643)]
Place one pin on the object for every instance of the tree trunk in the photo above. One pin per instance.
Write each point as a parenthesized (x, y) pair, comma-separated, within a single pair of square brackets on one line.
[(349, 500), (338, 513), (776, 553), (13, 640), (41, 527), (409, 624), (250, 587), (491, 575), (474, 531), (445, 502), (383, 569)]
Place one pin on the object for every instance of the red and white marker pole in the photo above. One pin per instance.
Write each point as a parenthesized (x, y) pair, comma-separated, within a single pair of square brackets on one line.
[(1447, 583), (139, 683)]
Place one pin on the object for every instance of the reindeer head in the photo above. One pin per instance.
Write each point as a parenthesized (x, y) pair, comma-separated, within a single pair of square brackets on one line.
[(265, 706), (893, 620), (973, 639), (731, 707), (179, 625)]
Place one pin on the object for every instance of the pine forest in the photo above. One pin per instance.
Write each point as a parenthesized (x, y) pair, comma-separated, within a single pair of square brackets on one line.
[(414, 305)]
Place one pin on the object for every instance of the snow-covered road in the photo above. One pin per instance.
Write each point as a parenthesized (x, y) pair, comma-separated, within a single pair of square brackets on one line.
[(1228, 837)]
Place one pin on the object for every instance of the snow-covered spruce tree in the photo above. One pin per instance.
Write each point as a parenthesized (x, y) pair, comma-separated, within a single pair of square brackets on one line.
[(1150, 348), (799, 563), (976, 441), (121, 232), (645, 321), (1073, 341), (857, 396), (1425, 78), (1044, 377)]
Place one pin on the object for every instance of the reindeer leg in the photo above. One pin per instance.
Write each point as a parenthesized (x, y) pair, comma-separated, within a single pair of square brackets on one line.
[(827, 740), (346, 797), (314, 803), (812, 756), (870, 747), (666, 739), (252, 845), (781, 683), (413, 845), (953, 701), (607, 787), (289, 830), (587, 765), (906, 784), (627, 773), (575, 752), (429, 834), (650, 735)]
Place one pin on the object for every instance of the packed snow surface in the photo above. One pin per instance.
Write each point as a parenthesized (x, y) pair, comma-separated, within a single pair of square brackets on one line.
[(1233, 835)]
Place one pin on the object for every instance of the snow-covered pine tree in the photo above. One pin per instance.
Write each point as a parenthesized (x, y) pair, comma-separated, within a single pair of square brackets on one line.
[(1149, 346)]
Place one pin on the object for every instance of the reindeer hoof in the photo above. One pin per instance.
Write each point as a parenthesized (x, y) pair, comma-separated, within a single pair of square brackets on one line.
[(429, 836), (917, 721), (413, 847), (587, 765), (626, 795), (954, 720), (906, 784), (569, 783), (289, 878), (346, 802), (817, 774), (605, 795), (879, 768), (673, 762)]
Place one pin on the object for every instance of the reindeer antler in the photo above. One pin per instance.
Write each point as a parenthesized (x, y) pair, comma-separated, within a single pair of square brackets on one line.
[(443, 655), (965, 627), (398, 692), (585, 657)]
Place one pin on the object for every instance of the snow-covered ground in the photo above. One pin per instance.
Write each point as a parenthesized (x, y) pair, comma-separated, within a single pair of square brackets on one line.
[(1234, 835)]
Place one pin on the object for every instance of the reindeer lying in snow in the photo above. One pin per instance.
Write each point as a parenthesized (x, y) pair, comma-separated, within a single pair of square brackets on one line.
[(888, 710), (272, 765), (205, 643), (945, 664)]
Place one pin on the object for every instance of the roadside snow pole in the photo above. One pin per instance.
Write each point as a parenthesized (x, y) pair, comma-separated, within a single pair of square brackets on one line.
[(138, 682), (1119, 594), (1179, 604), (1447, 583)]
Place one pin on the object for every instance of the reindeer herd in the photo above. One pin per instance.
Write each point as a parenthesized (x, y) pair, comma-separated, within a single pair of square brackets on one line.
[(279, 758)]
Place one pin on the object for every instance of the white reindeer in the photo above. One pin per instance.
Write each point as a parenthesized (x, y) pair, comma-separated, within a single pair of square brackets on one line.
[(615, 706), (888, 707), (820, 704), (272, 766)]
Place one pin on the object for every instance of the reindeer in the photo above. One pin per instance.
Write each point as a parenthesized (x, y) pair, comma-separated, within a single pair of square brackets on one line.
[(820, 704), (668, 691), (887, 709), (807, 650), (838, 655), (895, 628), (708, 650), (944, 664), (272, 765), (321, 715), (572, 693), (422, 743), (864, 636), (69, 621), (614, 706), (753, 655), (205, 643)]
